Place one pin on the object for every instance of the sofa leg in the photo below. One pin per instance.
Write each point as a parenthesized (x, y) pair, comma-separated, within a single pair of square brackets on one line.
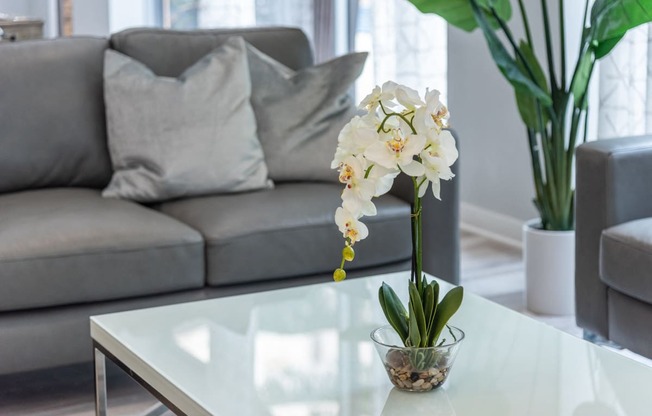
[(596, 339)]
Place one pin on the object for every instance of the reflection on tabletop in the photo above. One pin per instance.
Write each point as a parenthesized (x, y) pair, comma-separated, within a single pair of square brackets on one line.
[(433, 403)]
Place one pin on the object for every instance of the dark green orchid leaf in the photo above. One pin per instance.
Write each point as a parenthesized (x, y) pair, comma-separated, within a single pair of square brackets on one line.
[(446, 309), (394, 310), (429, 306), (432, 290), (417, 310), (415, 334)]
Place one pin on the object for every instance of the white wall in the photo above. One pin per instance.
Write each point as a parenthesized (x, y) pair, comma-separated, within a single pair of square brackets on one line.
[(130, 13), (495, 172), (90, 17)]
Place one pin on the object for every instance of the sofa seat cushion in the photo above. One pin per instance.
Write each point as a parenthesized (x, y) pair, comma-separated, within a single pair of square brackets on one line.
[(288, 231), (626, 258), (65, 246)]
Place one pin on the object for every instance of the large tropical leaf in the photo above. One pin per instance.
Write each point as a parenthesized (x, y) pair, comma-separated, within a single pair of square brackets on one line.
[(611, 19), (582, 77), (528, 107), (459, 13), (506, 63)]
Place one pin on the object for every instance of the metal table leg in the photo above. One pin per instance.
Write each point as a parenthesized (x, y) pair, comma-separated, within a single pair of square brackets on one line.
[(100, 383)]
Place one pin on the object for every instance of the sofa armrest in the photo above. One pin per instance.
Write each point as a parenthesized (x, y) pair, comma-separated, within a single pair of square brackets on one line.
[(441, 219), (613, 186)]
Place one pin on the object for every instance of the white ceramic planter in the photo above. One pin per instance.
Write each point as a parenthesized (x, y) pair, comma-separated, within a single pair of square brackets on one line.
[(549, 258)]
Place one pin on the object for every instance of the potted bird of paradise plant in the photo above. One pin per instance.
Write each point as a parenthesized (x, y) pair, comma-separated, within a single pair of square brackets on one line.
[(552, 100)]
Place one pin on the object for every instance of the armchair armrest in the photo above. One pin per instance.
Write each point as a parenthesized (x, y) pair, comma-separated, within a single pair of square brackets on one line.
[(441, 235), (612, 186)]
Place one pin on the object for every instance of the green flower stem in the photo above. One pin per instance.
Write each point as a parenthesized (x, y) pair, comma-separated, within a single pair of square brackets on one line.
[(368, 171), (388, 116), (382, 107), (417, 238)]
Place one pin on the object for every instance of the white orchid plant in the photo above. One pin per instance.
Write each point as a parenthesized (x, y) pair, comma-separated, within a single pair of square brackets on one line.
[(400, 133)]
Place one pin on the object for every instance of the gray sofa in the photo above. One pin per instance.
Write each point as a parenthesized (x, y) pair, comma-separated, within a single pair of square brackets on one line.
[(613, 275), (66, 253)]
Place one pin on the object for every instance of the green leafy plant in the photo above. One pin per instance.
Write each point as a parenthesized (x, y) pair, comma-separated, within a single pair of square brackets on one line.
[(427, 317), (553, 108)]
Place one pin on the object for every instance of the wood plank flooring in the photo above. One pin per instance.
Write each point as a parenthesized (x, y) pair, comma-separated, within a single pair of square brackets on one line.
[(490, 269)]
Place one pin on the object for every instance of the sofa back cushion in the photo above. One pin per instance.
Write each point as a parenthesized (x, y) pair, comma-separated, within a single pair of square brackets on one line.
[(155, 47), (52, 129)]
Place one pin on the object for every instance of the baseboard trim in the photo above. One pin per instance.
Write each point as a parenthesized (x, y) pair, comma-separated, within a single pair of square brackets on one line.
[(490, 224)]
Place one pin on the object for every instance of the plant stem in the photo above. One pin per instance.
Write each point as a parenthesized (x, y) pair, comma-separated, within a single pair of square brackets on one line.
[(586, 14), (586, 124), (536, 170), (417, 249), (562, 39), (526, 24), (519, 55), (551, 58), (512, 41)]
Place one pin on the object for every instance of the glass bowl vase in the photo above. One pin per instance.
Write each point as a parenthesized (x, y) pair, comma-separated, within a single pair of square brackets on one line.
[(417, 369)]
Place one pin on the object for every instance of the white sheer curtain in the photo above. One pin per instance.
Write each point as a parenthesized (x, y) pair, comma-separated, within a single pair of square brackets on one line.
[(626, 87), (310, 16), (404, 45)]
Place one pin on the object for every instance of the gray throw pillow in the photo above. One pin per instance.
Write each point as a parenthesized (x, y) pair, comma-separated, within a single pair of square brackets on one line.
[(300, 114), (178, 137)]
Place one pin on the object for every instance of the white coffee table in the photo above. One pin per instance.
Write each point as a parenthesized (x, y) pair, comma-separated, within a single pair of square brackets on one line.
[(306, 351)]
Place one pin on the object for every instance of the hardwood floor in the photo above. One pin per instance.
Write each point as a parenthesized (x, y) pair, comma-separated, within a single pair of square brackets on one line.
[(490, 269)]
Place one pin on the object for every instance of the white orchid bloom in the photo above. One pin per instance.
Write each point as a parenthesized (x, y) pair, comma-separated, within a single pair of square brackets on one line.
[(437, 158), (436, 110), (397, 151), (408, 97), (378, 94), (382, 177), (437, 169), (359, 190), (389, 89), (349, 225), (356, 136), (441, 144)]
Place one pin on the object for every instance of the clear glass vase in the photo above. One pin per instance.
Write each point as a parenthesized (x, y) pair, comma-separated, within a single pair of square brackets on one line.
[(417, 369)]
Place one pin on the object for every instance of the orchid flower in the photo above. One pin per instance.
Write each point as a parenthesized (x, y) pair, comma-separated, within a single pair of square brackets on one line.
[(359, 190), (400, 133), (351, 228), (397, 150)]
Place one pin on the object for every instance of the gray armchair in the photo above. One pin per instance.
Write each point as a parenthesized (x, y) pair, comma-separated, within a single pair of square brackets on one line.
[(613, 272)]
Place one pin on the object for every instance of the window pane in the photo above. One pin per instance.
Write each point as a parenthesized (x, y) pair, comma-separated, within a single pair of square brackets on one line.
[(404, 46)]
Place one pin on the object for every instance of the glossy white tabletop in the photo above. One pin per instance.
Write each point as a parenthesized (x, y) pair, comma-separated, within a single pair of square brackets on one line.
[(306, 351)]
